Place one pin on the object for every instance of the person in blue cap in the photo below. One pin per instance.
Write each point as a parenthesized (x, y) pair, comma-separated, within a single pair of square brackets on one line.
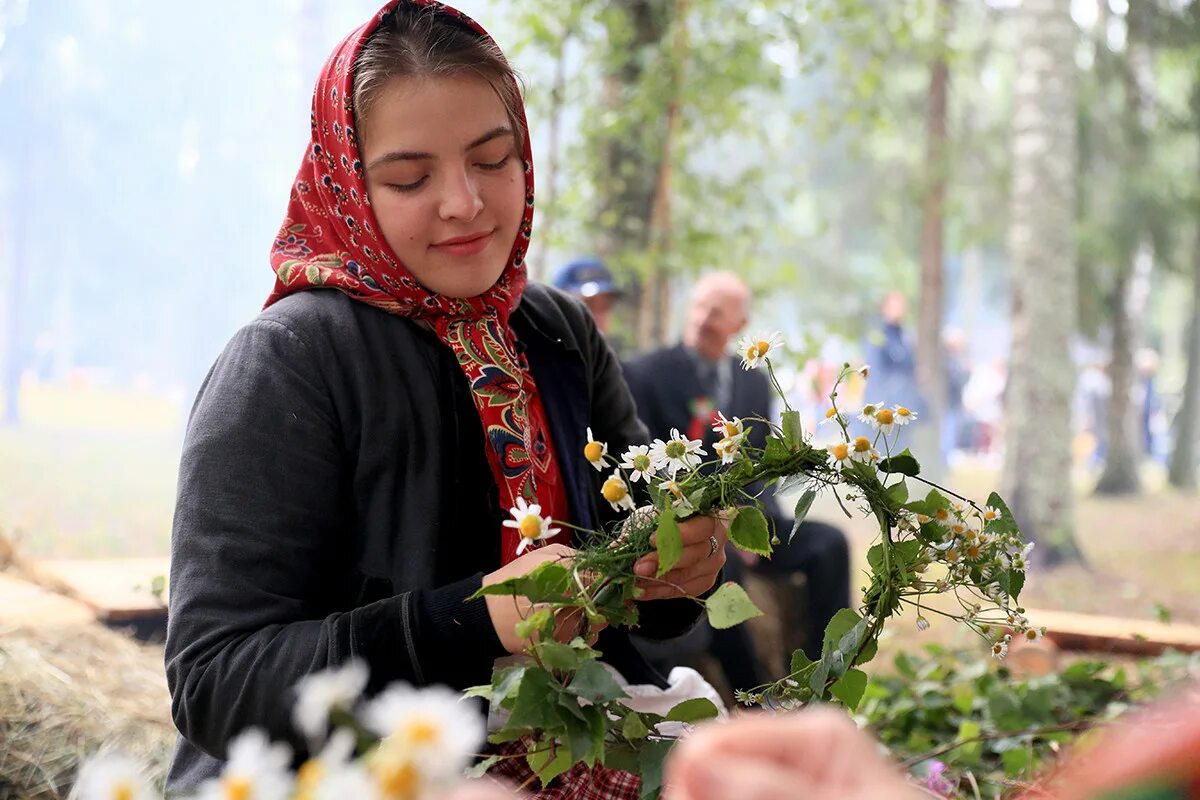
[(592, 281)]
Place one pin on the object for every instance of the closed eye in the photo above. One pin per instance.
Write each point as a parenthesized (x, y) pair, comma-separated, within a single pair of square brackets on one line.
[(408, 187), (494, 165)]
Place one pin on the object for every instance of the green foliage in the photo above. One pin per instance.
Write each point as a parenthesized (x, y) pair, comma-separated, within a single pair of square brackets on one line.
[(730, 605), (974, 715)]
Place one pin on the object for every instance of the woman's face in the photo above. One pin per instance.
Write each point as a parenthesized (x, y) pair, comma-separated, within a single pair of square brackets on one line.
[(445, 180)]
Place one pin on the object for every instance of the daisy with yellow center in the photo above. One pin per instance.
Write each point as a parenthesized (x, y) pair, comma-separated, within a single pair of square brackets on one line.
[(755, 350), (637, 460), (942, 515), (678, 453), (257, 768), (728, 428), (884, 421), (1033, 634), (676, 491), (1000, 648), (595, 451), (904, 415), (528, 520), (867, 414), (113, 777), (861, 450), (616, 492), (429, 726), (990, 514), (834, 416), (839, 454), (729, 447)]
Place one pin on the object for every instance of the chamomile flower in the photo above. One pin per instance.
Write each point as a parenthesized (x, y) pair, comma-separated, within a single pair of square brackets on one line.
[(637, 460), (990, 514), (728, 427), (431, 725), (111, 777), (595, 451), (961, 509), (728, 448), (756, 349), (861, 450), (1000, 647), (1017, 560), (672, 488), (867, 414), (333, 774), (883, 420), (616, 492), (1033, 634), (922, 624), (256, 770), (528, 520), (320, 693), (839, 454), (864, 370), (677, 453), (904, 415), (834, 416)]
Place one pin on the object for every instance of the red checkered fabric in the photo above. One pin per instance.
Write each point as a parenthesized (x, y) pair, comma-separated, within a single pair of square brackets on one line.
[(580, 782)]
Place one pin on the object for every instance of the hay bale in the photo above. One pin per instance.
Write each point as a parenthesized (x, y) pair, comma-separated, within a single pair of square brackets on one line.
[(68, 692)]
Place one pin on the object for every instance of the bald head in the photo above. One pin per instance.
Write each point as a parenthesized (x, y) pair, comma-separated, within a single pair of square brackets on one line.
[(719, 309)]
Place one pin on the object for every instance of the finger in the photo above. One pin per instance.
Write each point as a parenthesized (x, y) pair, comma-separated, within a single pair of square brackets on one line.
[(723, 777), (682, 584)]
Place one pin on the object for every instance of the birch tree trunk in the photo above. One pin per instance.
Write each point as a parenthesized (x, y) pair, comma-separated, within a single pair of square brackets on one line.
[(1037, 464), (1182, 470)]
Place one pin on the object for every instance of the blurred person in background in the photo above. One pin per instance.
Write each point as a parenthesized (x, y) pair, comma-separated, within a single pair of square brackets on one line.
[(683, 387), (954, 372), (591, 281), (891, 353)]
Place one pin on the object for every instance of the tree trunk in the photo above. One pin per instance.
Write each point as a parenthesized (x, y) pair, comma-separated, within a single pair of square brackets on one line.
[(930, 374), (1182, 469), (1037, 462), (549, 210)]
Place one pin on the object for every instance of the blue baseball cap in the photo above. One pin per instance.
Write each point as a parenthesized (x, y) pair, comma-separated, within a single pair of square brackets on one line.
[(586, 277)]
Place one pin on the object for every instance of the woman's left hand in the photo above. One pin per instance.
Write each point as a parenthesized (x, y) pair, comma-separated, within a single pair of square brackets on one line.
[(698, 566)]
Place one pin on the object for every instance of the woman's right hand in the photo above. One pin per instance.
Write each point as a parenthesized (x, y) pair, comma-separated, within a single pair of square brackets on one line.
[(506, 611)]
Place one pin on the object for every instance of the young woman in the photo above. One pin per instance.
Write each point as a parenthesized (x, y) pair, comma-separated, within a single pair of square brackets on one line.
[(355, 449)]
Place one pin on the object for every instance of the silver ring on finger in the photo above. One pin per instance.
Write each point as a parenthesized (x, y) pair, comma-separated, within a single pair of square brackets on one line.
[(713, 546)]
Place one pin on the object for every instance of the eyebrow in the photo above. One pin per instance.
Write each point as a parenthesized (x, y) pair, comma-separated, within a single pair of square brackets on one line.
[(412, 155)]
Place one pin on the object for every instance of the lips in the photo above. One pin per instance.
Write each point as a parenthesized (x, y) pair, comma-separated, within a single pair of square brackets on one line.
[(467, 245)]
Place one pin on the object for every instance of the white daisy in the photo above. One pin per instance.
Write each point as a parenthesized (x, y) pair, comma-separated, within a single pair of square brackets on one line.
[(529, 522), (1000, 647), (320, 693), (595, 451), (1017, 560), (432, 725), (677, 498), (834, 416), (332, 774), (677, 453), (839, 454), (256, 770), (728, 427), (111, 777), (864, 370), (637, 460), (861, 450), (1033, 634), (729, 447), (616, 492), (990, 514), (883, 420), (867, 414), (755, 350), (904, 415)]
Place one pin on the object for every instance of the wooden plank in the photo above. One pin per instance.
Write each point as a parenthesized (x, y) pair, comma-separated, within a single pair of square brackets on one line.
[(1101, 634), (25, 603), (117, 588)]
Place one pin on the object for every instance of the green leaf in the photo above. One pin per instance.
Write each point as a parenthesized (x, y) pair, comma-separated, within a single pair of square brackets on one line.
[(505, 682), (843, 622), (1016, 761), (730, 605), (850, 687), (1005, 709), (633, 728), (1012, 581), (587, 737), (933, 502), (776, 452), (799, 661), (903, 463), (898, 493), (534, 623), (793, 431), (694, 710), (969, 753), (1161, 613), (650, 766), (802, 506), (480, 769), (559, 656), (536, 703), (547, 582), (668, 542), (750, 531), (593, 682), (548, 764), (484, 691), (1006, 523)]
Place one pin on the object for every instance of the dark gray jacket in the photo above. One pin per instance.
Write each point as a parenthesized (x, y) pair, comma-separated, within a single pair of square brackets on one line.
[(335, 502)]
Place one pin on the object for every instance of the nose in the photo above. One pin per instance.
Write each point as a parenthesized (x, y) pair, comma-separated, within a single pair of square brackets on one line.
[(460, 197)]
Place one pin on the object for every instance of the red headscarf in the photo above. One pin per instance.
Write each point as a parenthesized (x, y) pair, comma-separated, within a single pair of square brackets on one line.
[(330, 239)]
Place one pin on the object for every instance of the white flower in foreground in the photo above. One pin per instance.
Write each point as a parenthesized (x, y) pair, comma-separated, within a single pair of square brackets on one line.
[(616, 492), (754, 350), (867, 414), (990, 514), (1000, 647), (728, 428), (864, 370), (904, 415), (595, 451), (1017, 560), (637, 460), (1033, 634), (861, 450), (111, 777), (883, 420), (256, 770), (332, 775), (529, 522), (433, 725), (834, 416), (839, 454), (677, 453), (676, 491), (317, 695), (728, 448)]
